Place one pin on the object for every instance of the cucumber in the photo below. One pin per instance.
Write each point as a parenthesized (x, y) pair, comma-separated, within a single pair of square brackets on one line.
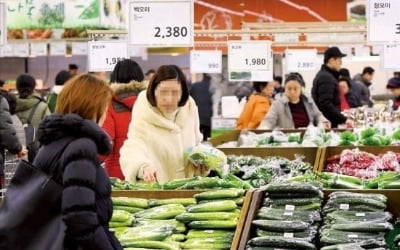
[(344, 194), (131, 202), (281, 214), (179, 227), (187, 217), (293, 187), (309, 207), (182, 201), (206, 233), (332, 237), (174, 184), (341, 216), (219, 194), (215, 206), (295, 201), (291, 195), (363, 227), (161, 212), (357, 201), (280, 241), (213, 224), (153, 245), (282, 226), (120, 216), (389, 185), (128, 209), (307, 235), (354, 208)]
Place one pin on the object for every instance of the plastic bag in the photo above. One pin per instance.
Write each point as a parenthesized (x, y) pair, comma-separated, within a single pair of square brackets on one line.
[(205, 155)]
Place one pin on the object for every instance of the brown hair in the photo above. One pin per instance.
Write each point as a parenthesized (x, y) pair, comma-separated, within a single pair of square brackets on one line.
[(167, 72), (85, 95)]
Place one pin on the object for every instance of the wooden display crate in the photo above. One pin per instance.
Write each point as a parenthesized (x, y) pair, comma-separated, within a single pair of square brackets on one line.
[(393, 206), (166, 194), (327, 152), (311, 154)]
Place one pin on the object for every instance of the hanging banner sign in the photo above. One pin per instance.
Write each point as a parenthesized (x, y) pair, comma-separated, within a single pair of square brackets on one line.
[(3, 26), (103, 55), (161, 23), (298, 60), (38, 49), (250, 61), (206, 61), (79, 48), (21, 49), (383, 21), (390, 59), (58, 48)]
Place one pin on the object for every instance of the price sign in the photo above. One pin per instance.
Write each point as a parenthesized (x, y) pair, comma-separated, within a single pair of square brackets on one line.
[(3, 27), (58, 48), (161, 23), (205, 61), (6, 51), (21, 49), (38, 49), (103, 55), (383, 21), (250, 61), (298, 60), (79, 48), (390, 59)]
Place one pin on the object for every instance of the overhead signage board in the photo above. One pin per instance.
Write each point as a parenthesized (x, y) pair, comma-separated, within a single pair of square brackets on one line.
[(104, 55), (206, 61)]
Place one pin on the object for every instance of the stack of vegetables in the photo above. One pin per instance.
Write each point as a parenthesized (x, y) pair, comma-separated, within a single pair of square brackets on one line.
[(355, 220), (212, 221), (288, 218)]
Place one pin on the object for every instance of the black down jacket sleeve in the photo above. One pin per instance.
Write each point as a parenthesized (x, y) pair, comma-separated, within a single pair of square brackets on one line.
[(8, 135)]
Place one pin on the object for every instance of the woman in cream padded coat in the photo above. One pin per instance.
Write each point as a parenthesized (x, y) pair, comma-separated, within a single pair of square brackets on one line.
[(164, 124)]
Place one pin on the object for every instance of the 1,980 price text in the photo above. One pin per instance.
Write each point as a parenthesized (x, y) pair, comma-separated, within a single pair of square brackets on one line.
[(255, 61), (113, 60)]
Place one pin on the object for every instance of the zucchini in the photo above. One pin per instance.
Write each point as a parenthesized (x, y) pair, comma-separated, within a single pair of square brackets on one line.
[(131, 202), (161, 212), (128, 209), (281, 214), (182, 201), (215, 206), (341, 216), (153, 245), (175, 237), (295, 201), (219, 194), (174, 184), (363, 227), (187, 217), (213, 224), (206, 233), (280, 241), (120, 216), (127, 223), (282, 226), (389, 185), (145, 234), (205, 245), (178, 226), (239, 201)]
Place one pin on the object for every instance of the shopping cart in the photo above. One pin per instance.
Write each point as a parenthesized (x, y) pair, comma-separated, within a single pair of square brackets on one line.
[(10, 165)]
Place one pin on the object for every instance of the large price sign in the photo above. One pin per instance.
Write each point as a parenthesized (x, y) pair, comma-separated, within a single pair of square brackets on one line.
[(298, 60), (390, 60), (205, 61), (3, 28), (383, 21), (161, 23), (250, 61), (103, 55)]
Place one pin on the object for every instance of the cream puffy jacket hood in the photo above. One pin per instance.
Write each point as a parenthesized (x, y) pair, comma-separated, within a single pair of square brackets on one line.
[(153, 140)]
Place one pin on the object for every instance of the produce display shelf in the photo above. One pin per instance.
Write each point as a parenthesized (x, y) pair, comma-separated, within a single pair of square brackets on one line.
[(326, 152), (393, 206), (166, 194)]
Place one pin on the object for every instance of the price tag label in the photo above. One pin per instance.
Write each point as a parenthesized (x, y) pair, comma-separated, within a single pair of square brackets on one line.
[(161, 23), (298, 60), (79, 48), (383, 21), (290, 207), (38, 49), (250, 61), (3, 26), (360, 214), (21, 49), (288, 235), (103, 55), (58, 48), (352, 236), (205, 61), (390, 59), (344, 206), (288, 213)]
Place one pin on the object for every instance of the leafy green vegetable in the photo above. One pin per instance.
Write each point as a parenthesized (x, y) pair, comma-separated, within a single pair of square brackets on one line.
[(348, 136), (368, 132), (396, 135)]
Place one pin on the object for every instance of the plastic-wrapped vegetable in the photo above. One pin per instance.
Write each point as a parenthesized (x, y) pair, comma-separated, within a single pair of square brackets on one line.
[(208, 156)]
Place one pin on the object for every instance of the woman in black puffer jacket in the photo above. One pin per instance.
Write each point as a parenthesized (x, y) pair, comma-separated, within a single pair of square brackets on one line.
[(85, 203)]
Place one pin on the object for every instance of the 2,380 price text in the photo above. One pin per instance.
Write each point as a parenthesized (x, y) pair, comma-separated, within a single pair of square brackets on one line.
[(255, 61), (113, 60), (170, 31)]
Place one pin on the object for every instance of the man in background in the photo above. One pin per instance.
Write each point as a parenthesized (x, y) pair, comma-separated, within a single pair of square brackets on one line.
[(73, 69), (364, 80)]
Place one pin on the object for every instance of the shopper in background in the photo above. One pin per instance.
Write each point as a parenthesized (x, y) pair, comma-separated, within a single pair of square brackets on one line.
[(278, 85), (8, 137), (257, 106), (202, 93), (325, 89), (347, 98), (149, 74), (394, 86), (165, 123), (73, 69), (293, 109), (61, 78), (85, 200), (355, 89), (396, 74), (364, 81), (126, 83)]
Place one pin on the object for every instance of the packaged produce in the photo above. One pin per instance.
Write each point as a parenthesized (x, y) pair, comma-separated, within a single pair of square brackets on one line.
[(208, 156)]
